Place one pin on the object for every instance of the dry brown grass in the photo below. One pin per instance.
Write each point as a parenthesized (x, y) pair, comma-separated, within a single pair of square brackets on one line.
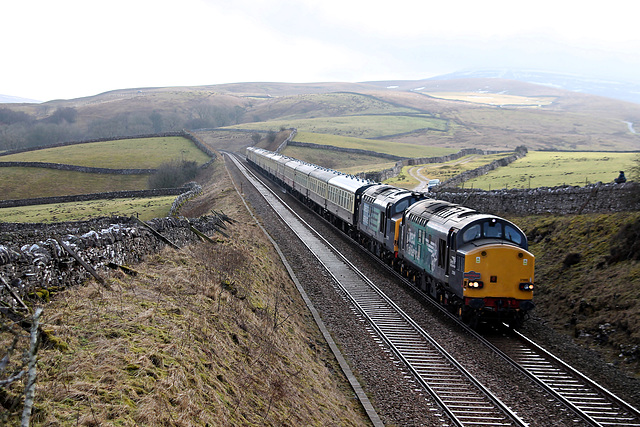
[(212, 334)]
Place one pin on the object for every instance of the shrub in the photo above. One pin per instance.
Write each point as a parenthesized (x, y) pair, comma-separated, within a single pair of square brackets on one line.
[(173, 174)]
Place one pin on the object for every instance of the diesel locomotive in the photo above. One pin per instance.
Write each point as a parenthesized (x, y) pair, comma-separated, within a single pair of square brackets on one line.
[(477, 265)]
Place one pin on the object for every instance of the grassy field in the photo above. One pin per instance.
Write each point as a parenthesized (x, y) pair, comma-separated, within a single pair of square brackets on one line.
[(548, 169), (373, 126), (442, 171), (137, 153), (145, 208), (379, 146), (24, 183), (344, 162)]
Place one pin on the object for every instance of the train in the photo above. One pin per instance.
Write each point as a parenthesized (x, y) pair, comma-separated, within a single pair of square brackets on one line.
[(477, 265)]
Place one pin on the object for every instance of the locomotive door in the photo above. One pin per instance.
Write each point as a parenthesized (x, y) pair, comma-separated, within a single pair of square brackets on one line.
[(451, 251)]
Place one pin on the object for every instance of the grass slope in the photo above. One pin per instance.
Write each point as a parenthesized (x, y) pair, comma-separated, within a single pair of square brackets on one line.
[(212, 334), (143, 208), (578, 291), (378, 146), (136, 153), (361, 126)]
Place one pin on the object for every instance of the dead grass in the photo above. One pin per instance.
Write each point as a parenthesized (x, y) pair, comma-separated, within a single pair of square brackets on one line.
[(212, 334)]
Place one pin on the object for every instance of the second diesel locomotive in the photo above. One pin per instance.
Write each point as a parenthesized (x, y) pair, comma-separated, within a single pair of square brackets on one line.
[(476, 264)]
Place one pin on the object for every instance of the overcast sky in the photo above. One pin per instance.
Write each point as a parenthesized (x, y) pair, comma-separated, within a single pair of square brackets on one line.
[(71, 48)]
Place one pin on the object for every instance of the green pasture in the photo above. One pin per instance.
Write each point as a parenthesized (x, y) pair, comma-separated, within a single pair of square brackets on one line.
[(24, 183), (338, 160), (378, 146), (549, 169), (135, 153), (360, 126), (144, 208), (408, 178)]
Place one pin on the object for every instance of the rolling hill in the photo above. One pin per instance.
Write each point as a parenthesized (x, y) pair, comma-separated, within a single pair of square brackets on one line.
[(476, 112)]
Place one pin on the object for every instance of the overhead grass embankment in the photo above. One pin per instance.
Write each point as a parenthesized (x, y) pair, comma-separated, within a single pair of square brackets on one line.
[(211, 334), (587, 276)]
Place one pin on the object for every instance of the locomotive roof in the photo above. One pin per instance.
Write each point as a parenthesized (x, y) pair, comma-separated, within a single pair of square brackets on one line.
[(384, 194), (445, 212)]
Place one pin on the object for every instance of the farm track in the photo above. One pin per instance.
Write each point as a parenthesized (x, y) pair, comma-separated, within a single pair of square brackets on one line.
[(396, 399)]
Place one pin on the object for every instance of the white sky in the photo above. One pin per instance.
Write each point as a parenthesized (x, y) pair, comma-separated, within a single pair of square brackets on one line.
[(72, 48)]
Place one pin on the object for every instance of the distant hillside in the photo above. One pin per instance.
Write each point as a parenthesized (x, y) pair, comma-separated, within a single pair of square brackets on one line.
[(625, 91), (489, 113)]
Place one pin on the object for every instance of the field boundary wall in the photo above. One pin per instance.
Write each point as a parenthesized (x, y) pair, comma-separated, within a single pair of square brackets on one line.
[(32, 258), (564, 200), (343, 149), (94, 196), (76, 168), (385, 174), (184, 133)]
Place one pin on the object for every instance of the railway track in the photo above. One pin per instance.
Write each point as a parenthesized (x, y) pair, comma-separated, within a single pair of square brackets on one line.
[(460, 396), (592, 402), (589, 401)]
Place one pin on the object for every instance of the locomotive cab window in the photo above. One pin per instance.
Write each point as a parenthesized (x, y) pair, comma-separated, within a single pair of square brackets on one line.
[(400, 207), (474, 232), (513, 234), (492, 228)]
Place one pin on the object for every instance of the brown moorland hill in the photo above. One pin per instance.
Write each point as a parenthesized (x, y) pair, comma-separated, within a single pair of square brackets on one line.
[(564, 121)]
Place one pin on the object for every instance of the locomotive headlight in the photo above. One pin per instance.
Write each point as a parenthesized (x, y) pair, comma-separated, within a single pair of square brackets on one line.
[(527, 286), (476, 285)]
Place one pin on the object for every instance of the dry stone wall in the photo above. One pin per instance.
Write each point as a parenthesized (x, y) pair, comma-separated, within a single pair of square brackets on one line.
[(32, 258), (94, 196), (379, 176), (565, 200)]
